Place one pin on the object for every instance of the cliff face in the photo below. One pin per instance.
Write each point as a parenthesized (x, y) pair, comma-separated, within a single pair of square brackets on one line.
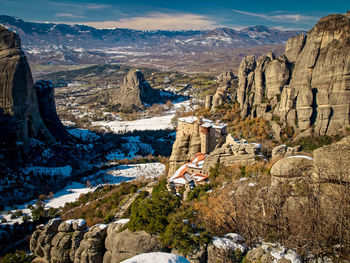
[(184, 149), (19, 113), (27, 112), (45, 92), (306, 87)]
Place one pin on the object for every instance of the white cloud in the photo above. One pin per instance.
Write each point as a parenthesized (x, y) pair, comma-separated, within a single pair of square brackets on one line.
[(159, 21), (279, 18), (68, 15)]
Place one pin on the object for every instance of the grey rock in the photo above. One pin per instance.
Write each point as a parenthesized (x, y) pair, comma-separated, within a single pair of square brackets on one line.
[(279, 151), (126, 244), (291, 167)]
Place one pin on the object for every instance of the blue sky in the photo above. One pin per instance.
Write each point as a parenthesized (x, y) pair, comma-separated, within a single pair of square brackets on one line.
[(175, 14)]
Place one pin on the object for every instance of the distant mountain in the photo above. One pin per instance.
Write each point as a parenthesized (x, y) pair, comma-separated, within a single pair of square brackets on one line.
[(79, 44)]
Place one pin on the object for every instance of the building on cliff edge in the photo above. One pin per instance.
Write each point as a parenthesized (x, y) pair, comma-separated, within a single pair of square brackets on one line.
[(190, 173)]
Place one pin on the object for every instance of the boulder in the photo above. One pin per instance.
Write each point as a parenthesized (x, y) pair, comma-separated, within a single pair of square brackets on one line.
[(127, 244), (331, 162), (279, 151), (270, 252), (91, 248), (295, 166), (229, 248)]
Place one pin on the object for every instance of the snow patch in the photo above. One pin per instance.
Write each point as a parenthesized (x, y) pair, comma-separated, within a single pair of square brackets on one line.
[(228, 244), (301, 156), (159, 257), (123, 221)]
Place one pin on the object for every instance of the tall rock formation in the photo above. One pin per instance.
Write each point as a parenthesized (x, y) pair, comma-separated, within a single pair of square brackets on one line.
[(26, 112), (45, 92), (136, 93), (226, 91), (308, 86), (19, 113)]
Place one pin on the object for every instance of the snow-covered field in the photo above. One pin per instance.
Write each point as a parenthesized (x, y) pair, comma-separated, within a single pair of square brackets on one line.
[(159, 257), (127, 173), (72, 192), (154, 123)]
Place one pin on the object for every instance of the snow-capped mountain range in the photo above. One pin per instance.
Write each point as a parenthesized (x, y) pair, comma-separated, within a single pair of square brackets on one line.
[(80, 44)]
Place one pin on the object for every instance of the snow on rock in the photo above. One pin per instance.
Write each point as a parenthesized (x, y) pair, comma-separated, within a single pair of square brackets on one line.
[(159, 257), (278, 252), (80, 222), (301, 156), (84, 134), (102, 226), (231, 241), (235, 237), (123, 221)]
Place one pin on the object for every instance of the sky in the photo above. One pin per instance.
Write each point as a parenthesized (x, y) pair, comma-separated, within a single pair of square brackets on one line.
[(175, 14)]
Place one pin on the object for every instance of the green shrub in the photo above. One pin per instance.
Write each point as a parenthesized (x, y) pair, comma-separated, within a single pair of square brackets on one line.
[(198, 192), (311, 143), (151, 214), (183, 233), (18, 257)]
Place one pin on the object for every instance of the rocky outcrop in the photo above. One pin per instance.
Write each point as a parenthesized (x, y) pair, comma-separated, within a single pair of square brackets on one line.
[(69, 241), (136, 93), (308, 85), (229, 248), (127, 244), (331, 162), (226, 77), (225, 93), (270, 252), (282, 151), (293, 166), (233, 152), (19, 112)]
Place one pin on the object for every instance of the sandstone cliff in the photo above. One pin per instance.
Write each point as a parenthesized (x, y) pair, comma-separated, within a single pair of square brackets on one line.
[(19, 112), (306, 87), (184, 149), (29, 126)]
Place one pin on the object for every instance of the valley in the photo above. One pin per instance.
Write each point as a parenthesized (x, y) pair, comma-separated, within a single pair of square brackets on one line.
[(177, 144)]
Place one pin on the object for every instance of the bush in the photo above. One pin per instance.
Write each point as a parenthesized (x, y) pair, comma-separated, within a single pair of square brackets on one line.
[(183, 232), (311, 143), (198, 192), (151, 214), (18, 257)]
